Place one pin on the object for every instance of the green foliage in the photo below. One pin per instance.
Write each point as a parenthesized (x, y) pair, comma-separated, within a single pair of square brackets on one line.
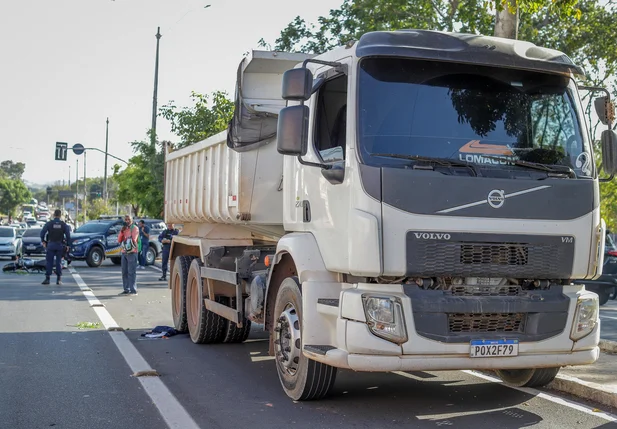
[(12, 170), (200, 121), (140, 184), (12, 194), (97, 207)]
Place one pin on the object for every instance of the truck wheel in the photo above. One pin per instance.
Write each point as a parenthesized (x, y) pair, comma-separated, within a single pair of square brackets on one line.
[(233, 334), (603, 296), (532, 377), (116, 260), (302, 378), (150, 255), (95, 257), (205, 327), (613, 293), (179, 277)]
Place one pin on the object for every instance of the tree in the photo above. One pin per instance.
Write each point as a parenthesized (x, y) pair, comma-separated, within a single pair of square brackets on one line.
[(196, 123), (12, 170), (12, 194), (97, 207)]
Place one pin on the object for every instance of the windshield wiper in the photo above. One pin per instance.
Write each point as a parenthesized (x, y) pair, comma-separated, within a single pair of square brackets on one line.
[(552, 169), (446, 162)]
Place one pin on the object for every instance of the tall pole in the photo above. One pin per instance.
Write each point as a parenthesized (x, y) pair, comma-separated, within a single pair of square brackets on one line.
[(105, 172), (69, 177), (156, 84), (85, 191), (76, 192)]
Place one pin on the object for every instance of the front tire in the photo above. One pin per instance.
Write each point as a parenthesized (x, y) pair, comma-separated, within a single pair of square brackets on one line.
[(205, 327), (603, 296), (179, 278), (116, 260), (302, 378), (150, 255), (532, 377), (95, 257)]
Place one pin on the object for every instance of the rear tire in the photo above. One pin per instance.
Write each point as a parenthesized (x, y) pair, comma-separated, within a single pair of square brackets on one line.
[(302, 378), (179, 277), (603, 296), (232, 333), (150, 255), (205, 327), (116, 260), (95, 257), (532, 377)]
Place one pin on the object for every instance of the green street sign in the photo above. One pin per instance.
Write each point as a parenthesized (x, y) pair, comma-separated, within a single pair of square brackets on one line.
[(61, 151)]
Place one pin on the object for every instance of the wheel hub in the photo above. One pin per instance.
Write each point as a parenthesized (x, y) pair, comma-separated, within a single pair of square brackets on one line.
[(96, 257), (288, 343)]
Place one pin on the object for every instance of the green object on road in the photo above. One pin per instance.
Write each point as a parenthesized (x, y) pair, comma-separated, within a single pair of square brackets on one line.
[(88, 325)]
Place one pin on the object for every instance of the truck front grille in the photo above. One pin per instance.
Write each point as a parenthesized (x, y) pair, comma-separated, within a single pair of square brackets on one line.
[(466, 290), (497, 254), (486, 322)]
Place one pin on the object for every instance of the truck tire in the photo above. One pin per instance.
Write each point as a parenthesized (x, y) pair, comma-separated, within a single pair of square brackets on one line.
[(95, 257), (179, 277), (116, 260), (303, 379), (233, 334), (205, 327), (603, 295), (532, 377)]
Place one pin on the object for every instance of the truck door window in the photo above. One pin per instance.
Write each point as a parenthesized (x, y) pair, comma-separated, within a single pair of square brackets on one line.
[(331, 119)]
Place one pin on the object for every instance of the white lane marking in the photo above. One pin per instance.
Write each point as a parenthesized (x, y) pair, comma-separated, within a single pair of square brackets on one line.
[(557, 400), (171, 410), (608, 317)]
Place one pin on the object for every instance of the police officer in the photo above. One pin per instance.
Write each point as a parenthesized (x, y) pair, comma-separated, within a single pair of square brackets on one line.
[(54, 235), (165, 238)]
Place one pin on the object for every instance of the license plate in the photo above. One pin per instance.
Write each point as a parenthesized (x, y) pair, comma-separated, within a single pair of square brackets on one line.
[(31, 247), (493, 348)]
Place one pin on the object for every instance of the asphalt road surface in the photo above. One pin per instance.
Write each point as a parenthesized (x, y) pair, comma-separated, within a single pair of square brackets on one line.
[(55, 374)]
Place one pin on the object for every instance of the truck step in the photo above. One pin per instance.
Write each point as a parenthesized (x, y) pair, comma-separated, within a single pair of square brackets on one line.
[(332, 302), (319, 349)]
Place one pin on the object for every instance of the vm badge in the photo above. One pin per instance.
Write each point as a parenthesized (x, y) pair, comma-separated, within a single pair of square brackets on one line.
[(496, 198)]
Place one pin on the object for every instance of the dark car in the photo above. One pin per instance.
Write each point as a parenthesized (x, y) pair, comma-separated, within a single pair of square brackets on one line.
[(31, 241), (154, 249), (95, 240), (605, 285)]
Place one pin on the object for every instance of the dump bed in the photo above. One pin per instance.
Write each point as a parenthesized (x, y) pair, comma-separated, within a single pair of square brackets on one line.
[(236, 177)]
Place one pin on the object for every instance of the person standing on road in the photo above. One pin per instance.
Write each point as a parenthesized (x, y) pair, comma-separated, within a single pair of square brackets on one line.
[(165, 238), (144, 233), (129, 240), (53, 236)]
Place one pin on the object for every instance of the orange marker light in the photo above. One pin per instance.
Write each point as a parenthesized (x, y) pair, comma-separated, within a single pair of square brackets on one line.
[(268, 260)]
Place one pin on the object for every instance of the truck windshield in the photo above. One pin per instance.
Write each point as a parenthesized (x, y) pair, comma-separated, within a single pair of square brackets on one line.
[(481, 115)]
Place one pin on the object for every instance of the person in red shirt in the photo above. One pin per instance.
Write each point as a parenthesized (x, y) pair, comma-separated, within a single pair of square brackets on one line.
[(127, 238)]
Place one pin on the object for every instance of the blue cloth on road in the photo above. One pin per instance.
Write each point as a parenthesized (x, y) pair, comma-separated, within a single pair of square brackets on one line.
[(129, 272)]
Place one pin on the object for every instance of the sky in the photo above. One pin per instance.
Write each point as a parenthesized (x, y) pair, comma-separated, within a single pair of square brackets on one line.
[(67, 65)]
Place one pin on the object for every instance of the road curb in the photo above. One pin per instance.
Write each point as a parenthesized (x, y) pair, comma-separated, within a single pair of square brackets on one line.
[(608, 346), (605, 395)]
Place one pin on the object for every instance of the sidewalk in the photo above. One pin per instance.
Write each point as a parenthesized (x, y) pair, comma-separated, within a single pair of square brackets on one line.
[(596, 382)]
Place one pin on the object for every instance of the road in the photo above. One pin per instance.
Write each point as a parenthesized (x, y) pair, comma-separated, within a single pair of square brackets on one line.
[(54, 374)]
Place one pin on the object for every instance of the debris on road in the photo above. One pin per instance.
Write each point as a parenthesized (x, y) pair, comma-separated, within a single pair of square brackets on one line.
[(87, 325), (146, 373), (160, 332)]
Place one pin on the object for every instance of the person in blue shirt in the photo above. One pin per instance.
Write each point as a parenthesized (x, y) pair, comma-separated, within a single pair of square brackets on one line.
[(55, 236), (165, 238), (144, 233)]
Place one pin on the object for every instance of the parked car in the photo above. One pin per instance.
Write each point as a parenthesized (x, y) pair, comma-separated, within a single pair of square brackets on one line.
[(10, 244), (605, 285), (95, 240), (31, 242)]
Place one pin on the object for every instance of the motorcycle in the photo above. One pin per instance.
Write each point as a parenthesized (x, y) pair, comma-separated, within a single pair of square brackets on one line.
[(37, 266)]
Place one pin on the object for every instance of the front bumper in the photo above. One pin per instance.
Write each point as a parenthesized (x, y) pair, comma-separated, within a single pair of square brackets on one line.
[(335, 332)]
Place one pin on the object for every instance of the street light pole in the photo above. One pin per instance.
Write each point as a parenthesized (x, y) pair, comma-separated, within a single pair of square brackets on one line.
[(156, 84), (76, 191), (105, 171), (85, 191)]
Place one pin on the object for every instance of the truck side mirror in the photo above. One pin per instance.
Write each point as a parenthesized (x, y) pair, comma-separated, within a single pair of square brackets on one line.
[(297, 84), (605, 110), (292, 130), (608, 141)]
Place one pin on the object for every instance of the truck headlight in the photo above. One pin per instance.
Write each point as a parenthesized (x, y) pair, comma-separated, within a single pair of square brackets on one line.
[(80, 241), (585, 318), (384, 317)]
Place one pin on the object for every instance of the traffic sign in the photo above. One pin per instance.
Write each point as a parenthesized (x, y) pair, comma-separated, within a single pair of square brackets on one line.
[(78, 148), (61, 151)]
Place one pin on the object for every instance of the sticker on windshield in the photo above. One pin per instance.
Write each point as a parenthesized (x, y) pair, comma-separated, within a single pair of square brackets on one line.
[(481, 153), (583, 161)]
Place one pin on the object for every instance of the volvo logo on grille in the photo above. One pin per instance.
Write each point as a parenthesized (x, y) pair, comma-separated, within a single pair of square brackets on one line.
[(496, 198), (432, 235)]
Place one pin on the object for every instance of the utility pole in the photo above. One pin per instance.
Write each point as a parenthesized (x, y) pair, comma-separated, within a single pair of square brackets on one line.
[(85, 191), (69, 177), (156, 84), (76, 192), (105, 172)]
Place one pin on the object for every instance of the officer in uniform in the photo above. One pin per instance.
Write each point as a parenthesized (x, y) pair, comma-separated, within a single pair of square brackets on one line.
[(165, 238), (53, 235)]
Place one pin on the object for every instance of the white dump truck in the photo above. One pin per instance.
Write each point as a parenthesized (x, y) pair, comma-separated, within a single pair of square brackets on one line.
[(414, 200)]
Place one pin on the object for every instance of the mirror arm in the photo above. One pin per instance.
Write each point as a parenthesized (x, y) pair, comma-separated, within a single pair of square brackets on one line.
[(339, 67), (595, 88), (608, 179), (313, 164)]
